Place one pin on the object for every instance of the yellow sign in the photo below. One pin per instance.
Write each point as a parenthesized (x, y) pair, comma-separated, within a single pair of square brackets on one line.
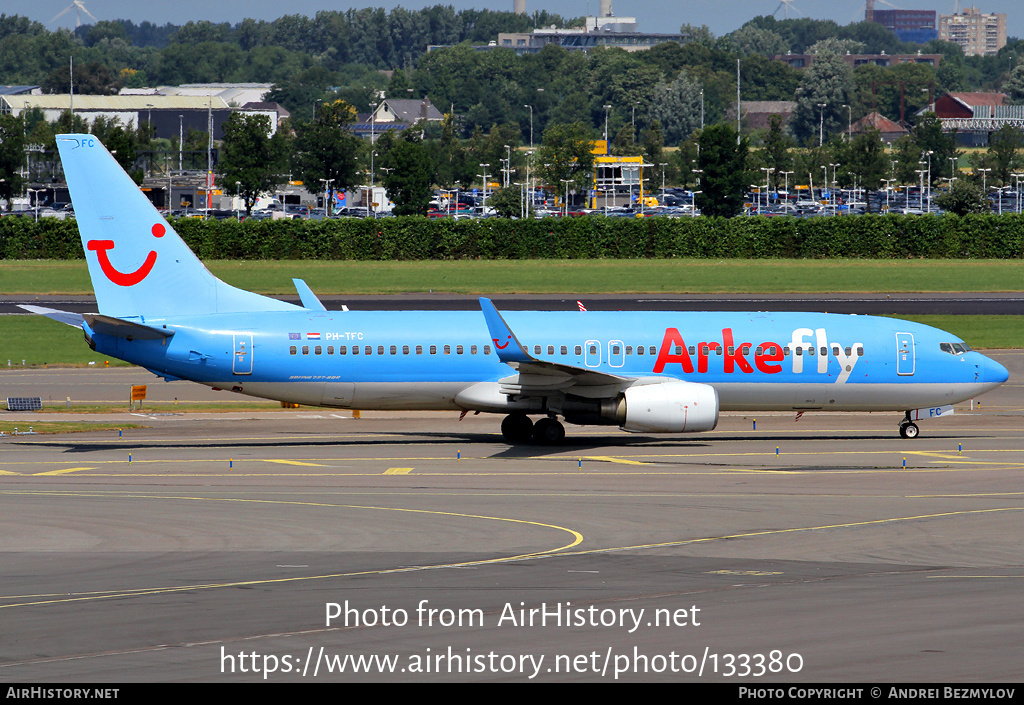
[(138, 392)]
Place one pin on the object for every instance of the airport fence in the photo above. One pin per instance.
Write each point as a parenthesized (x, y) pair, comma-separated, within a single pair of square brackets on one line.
[(414, 238)]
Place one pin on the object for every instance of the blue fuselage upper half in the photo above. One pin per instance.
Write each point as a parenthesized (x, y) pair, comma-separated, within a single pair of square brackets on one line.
[(733, 351)]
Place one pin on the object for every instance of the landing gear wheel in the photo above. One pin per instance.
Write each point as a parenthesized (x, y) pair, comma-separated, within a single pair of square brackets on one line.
[(909, 430), (517, 428), (548, 432)]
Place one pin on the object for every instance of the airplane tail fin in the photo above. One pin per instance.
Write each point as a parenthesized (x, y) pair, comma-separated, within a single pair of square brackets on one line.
[(139, 265)]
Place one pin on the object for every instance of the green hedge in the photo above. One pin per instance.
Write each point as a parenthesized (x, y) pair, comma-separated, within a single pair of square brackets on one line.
[(413, 238)]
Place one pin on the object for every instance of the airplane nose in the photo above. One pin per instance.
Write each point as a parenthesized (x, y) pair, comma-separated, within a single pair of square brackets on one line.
[(992, 372)]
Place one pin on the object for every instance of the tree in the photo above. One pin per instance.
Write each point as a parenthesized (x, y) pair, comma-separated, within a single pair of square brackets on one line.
[(1014, 85), (827, 82), (776, 149), (325, 149), (566, 156), (408, 173), (928, 137), (750, 39), (964, 197), (724, 180), (12, 156), (864, 160), (251, 156), (677, 107), (1003, 147)]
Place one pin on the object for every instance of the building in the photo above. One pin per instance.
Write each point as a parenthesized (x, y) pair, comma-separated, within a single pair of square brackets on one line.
[(978, 33), (802, 61), (395, 114), (888, 130), (757, 113), (618, 32), (975, 116), (169, 115), (908, 25)]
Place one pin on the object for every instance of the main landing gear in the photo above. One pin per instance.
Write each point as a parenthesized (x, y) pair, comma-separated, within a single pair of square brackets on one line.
[(908, 429), (518, 428)]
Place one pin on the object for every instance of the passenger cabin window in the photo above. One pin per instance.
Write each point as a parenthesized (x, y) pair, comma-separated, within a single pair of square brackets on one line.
[(293, 350), (330, 349), (369, 350), (405, 349), (380, 349), (447, 349), (394, 349), (536, 350), (305, 350), (578, 349), (419, 349), (433, 350), (472, 350), (458, 350), (318, 350), (487, 350), (551, 350), (355, 349)]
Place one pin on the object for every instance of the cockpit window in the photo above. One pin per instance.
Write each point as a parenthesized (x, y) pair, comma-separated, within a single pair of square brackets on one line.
[(955, 348)]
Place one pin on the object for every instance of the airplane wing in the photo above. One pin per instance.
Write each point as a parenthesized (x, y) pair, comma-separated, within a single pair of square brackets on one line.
[(541, 377)]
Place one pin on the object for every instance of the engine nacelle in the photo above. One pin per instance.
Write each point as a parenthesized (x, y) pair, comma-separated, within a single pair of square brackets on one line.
[(670, 407)]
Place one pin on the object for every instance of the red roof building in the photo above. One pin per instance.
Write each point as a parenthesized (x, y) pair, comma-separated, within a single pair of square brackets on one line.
[(889, 130)]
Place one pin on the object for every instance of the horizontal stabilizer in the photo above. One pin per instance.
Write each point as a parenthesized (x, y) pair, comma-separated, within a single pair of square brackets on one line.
[(108, 325), (66, 317), (306, 295)]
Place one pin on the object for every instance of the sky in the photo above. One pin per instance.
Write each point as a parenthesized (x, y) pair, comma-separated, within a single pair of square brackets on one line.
[(721, 16)]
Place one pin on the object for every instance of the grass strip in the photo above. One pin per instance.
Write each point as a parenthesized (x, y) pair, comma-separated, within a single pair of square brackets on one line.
[(576, 277), (48, 427)]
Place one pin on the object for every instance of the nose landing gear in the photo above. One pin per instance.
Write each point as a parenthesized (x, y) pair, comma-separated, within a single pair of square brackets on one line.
[(908, 429)]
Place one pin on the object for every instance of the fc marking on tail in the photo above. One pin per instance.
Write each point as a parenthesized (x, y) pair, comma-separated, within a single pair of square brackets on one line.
[(122, 278)]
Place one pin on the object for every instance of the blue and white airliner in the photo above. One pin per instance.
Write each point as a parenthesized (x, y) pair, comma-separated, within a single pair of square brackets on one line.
[(669, 372)]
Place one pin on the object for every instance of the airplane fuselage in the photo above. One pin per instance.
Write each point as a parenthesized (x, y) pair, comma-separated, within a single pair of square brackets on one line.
[(429, 359)]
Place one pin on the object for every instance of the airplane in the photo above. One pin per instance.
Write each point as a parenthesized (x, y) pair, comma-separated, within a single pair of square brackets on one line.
[(648, 372)]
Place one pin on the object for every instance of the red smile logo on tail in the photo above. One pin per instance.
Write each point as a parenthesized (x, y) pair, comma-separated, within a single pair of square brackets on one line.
[(113, 274)]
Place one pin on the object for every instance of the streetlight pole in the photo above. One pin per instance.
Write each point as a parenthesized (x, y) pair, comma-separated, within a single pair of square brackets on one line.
[(888, 189), (821, 125), (327, 195), (834, 183), (483, 208), (606, 109), (929, 153), (531, 124)]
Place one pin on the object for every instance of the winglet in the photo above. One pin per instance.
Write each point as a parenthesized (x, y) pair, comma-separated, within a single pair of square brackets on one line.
[(306, 295), (506, 344)]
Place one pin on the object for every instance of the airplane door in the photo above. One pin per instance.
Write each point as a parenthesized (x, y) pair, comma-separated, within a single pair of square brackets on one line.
[(904, 354), (592, 357), (616, 356), (241, 364)]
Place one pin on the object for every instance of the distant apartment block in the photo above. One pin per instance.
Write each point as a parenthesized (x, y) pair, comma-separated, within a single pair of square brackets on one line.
[(908, 25), (978, 33), (802, 61)]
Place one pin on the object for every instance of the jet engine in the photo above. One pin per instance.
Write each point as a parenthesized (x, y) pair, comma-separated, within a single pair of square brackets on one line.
[(669, 407)]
